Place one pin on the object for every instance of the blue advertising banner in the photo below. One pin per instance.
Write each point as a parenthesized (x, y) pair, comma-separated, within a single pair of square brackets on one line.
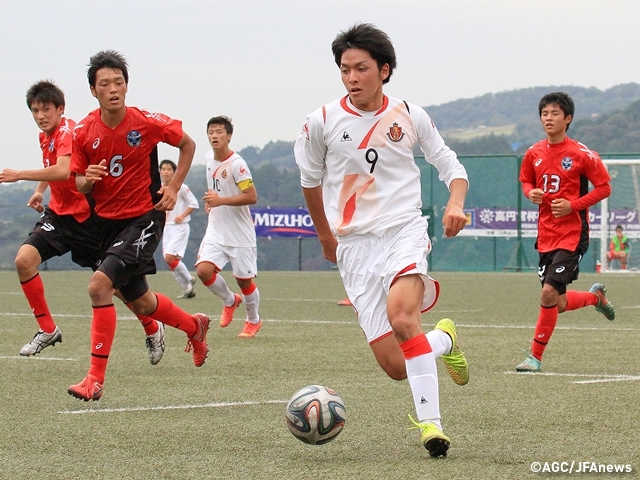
[(283, 222), (502, 222), (481, 222)]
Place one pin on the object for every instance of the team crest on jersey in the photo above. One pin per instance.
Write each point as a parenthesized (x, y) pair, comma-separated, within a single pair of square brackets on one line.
[(134, 138), (224, 173), (567, 163), (243, 171), (395, 133), (52, 145)]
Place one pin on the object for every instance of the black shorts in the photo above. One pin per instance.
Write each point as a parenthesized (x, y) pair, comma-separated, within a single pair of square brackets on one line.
[(54, 235), (133, 241), (559, 268)]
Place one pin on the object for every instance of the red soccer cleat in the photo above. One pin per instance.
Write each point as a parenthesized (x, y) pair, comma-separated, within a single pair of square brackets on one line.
[(227, 312), (198, 343), (87, 389)]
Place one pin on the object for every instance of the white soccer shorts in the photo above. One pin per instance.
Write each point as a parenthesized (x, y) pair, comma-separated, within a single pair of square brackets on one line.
[(175, 238), (243, 260), (368, 265)]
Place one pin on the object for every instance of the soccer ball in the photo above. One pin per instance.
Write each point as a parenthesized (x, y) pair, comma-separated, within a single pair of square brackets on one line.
[(315, 414)]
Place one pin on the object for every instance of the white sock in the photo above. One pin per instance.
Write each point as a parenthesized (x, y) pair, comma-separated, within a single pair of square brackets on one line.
[(252, 303), (220, 288), (183, 271), (440, 342), (180, 279), (423, 379)]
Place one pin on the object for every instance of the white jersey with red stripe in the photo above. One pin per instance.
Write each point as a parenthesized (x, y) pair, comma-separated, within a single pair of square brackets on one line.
[(186, 199), (365, 163), (229, 225)]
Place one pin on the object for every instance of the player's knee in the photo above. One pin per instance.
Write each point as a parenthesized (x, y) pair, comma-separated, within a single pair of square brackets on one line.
[(404, 325), (172, 261), (100, 290), (205, 274), (22, 264), (26, 262)]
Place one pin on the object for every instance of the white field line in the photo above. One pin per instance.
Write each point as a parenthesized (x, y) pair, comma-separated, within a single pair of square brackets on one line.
[(602, 378), (55, 315), (351, 322), (34, 358), (170, 407)]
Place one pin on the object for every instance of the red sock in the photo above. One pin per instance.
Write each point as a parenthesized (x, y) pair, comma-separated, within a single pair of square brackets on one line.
[(416, 346), (149, 324), (576, 300), (103, 329), (544, 328), (34, 291), (170, 314)]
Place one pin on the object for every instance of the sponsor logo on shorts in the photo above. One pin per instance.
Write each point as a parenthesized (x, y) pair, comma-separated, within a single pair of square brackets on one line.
[(559, 269)]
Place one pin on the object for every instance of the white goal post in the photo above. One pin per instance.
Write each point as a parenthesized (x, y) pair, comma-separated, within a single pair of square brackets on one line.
[(622, 207)]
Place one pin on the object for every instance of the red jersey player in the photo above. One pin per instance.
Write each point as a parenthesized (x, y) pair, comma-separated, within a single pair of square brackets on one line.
[(67, 224), (115, 158), (555, 173), (64, 224)]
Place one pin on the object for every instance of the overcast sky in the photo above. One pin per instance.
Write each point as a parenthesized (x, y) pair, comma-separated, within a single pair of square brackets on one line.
[(268, 63)]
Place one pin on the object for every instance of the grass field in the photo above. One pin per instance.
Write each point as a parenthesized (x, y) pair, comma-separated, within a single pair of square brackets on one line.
[(226, 419)]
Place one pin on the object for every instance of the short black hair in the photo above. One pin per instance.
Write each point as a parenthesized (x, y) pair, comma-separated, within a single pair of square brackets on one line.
[(563, 100), (107, 59), (173, 166), (45, 91), (619, 227), (221, 120), (365, 36)]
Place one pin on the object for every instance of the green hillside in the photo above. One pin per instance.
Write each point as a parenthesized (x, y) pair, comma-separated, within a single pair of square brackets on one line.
[(521, 106)]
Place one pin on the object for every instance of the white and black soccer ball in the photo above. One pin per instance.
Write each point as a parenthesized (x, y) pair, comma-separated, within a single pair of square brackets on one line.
[(315, 414)]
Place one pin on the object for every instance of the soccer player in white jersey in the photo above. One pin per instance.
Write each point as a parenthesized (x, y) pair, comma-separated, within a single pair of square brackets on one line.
[(230, 236), (176, 231), (362, 188)]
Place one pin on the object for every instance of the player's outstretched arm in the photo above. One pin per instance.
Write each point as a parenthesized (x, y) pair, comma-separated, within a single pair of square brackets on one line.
[(58, 172), (454, 218)]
